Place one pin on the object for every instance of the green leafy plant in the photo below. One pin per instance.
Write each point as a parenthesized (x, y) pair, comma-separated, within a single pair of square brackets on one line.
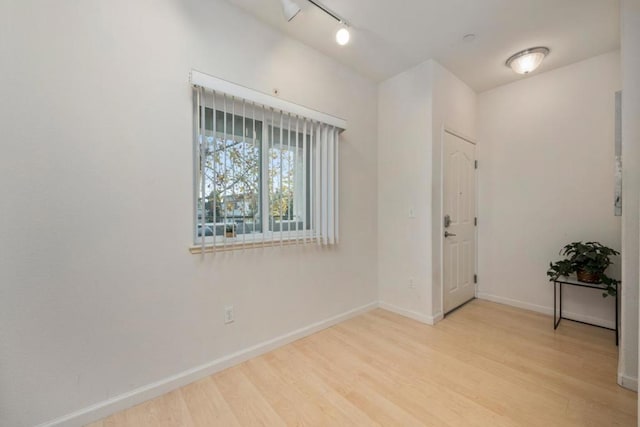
[(588, 261)]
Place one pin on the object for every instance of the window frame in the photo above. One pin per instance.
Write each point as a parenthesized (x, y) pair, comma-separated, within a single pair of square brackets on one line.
[(323, 180), (267, 235)]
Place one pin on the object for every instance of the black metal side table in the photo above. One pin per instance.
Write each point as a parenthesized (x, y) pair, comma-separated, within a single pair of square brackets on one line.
[(573, 282)]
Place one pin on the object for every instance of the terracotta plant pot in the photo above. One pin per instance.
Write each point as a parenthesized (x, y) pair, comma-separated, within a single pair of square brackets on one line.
[(588, 277)]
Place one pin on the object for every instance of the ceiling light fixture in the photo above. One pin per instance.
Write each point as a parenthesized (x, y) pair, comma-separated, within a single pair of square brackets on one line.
[(290, 9), (527, 60), (343, 36)]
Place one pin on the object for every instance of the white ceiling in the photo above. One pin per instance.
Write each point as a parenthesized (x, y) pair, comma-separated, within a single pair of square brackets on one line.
[(391, 36)]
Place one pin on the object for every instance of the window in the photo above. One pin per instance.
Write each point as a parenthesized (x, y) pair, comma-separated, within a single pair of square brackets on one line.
[(229, 200), (262, 175)]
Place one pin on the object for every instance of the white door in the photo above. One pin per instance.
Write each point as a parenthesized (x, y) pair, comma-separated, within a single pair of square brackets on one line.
[(459, 252)]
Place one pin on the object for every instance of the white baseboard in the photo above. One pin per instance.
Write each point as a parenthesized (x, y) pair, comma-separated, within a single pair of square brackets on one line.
[(158, 388), (436, 318), (429, 320), (546, 310), (628, 382)]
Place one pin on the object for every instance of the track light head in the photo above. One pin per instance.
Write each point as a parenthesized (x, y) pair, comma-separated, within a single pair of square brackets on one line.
[(343, 36)]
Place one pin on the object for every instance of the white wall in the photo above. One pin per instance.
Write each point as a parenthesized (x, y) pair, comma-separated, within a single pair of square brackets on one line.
[(404, 185), (546, 178), (98, 292), (630, 53), (414, 107)]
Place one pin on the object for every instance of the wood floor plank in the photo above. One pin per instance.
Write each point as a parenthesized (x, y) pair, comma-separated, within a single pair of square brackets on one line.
[(172, 410), (486, 364), (292, 405), (414, 383), (418, 402), (207, 405), (299, 374), (536, 384), (247, 403)]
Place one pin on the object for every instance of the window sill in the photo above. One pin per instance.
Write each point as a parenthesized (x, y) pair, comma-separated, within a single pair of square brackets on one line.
[(238, 246)]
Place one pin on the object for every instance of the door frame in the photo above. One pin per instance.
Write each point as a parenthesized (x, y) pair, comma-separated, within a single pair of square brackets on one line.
[(446, 129)]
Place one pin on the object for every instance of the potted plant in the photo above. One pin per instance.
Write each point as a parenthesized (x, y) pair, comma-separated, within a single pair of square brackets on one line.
[(588, 261), (230, 230)]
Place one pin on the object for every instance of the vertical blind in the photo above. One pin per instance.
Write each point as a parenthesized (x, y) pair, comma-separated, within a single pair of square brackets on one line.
[(264, 175)]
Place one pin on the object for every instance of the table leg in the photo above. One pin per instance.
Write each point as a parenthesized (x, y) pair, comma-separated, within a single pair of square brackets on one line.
[(555, 305), (616, 314), (560, 316)]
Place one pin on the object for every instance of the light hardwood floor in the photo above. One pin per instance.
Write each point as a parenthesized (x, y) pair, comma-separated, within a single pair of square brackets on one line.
[(484, 365)]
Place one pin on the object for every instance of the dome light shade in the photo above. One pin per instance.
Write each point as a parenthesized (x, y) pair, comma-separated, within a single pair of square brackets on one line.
[(290, 9), (527, 60), (343, 36)]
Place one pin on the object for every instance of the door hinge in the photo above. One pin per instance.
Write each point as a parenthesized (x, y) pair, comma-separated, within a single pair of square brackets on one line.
[(475, 221), (476, 164), (475, 278)]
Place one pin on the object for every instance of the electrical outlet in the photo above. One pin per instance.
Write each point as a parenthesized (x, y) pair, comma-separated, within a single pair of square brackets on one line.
[(412, 284), (228, 314)]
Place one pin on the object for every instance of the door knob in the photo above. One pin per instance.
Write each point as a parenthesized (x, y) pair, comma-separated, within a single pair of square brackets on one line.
[(447, 234)]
